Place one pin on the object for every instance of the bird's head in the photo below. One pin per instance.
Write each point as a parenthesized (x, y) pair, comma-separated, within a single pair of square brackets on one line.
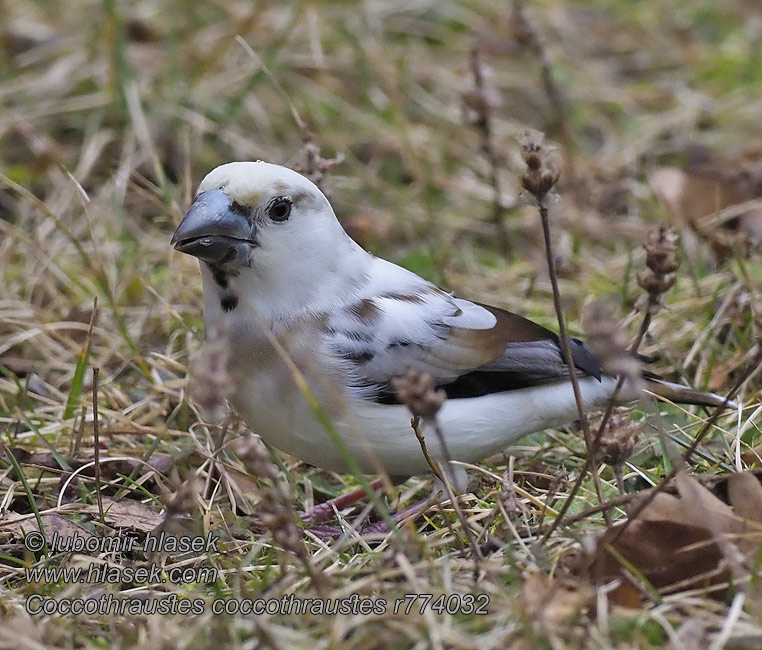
[(244, 210), (273, 231)]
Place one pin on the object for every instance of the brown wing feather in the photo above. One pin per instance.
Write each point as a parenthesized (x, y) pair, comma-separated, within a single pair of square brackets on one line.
[(449, 343), (522, 330)]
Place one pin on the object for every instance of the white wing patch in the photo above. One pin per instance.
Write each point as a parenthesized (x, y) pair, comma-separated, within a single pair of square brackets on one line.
[(401, 321)]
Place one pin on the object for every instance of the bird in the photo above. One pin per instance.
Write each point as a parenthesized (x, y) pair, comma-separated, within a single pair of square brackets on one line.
[(319, 329)]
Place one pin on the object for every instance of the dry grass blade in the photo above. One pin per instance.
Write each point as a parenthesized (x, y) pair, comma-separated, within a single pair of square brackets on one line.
[(113, 112)]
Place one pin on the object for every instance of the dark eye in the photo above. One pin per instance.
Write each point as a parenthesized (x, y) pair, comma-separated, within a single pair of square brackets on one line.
[(279, 209)]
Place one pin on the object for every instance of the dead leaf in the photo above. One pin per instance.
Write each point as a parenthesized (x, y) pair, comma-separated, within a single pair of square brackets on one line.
[(696, 197), (745, 495), (16, 525), (662, 551), (128, 513), (753, 457), (723, 371), (685, 540)]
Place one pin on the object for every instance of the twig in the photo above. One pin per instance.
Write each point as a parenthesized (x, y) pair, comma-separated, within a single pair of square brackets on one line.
[(453, 496), (621, 500), (633, 351), (97, 445), (656, 280), (415, 423), (479, 104), (539, 179), (569, 359), (529, 37), (417, 391)]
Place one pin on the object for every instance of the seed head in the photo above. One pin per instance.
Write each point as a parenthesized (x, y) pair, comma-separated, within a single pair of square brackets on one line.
[(618, 442), (543, 169), (417, 391), (661, 262)]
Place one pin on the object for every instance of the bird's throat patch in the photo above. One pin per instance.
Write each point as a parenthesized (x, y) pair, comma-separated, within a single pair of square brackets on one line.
[(228, 302), (221, 274)]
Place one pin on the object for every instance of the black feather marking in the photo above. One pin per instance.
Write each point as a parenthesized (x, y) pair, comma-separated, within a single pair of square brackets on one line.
[(473, 384), (243, 210), (221, 274), (584, 359), (358, 357), (229, 302), (354, 335)]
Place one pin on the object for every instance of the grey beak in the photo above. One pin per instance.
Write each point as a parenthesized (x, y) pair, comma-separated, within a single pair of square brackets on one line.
[(214, 231)]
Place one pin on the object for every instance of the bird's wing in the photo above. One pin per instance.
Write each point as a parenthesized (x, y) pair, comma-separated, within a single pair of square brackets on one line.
[(400, 321)]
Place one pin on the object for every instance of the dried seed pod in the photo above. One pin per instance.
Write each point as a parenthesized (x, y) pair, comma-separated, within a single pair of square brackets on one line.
[(618, 442), (417, 391), (275, 507), (543, 168), (313, 165), (661, 262)]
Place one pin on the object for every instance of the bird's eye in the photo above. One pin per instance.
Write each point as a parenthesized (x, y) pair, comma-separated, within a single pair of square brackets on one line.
[(279, 208)]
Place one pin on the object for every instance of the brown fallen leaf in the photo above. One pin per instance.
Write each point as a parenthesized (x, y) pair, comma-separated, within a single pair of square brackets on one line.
[(661, 551), (745, 495), (753, 457), (686, 540), (15, 525), (723, 371), (720, 200), (128, 513)]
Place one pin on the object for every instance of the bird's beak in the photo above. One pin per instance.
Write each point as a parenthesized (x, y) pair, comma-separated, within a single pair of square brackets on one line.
[(214, 231)]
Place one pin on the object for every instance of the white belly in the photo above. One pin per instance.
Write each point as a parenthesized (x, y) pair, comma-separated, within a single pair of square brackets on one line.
[(380, 435)]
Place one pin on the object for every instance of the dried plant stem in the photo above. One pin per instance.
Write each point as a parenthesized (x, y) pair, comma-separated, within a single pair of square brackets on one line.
[(618, 474), (483, 123), (97, 445), (593, 451), (439, 472), (566, 350), (645, 324), (655, 280), (454, 497), (621, 500), (463, 521), (597, 439), (415, 423), (530, 38), (627, 498)]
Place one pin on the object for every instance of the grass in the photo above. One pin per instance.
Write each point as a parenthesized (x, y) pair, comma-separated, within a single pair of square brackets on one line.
[(113, 112)]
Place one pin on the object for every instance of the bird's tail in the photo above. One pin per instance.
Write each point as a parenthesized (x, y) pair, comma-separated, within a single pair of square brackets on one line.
[(685, 395)]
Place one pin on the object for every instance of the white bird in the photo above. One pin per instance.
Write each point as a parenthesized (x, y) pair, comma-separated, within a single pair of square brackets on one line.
[(276, 265)]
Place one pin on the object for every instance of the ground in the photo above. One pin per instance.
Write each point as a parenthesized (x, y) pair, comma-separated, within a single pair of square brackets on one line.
[(112, 114)]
